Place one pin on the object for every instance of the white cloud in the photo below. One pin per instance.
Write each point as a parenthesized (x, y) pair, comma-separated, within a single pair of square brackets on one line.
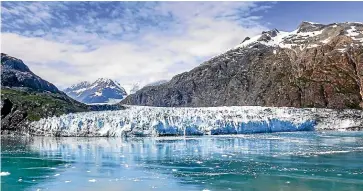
[(68, 55)]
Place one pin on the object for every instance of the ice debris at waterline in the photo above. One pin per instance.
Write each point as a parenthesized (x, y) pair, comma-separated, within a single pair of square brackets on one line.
[(4, 173), (163, 121)]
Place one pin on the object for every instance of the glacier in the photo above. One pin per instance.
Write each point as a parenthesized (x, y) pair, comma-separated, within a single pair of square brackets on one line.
[(185, 121)]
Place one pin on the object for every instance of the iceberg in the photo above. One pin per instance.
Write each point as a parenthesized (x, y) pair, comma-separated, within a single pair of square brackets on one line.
[(185, 121)]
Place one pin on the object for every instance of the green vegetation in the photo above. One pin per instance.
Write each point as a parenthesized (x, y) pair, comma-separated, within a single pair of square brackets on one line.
[(38, 105)]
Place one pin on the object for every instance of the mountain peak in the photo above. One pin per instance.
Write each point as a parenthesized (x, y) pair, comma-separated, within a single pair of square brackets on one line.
[(14, 73), (80, 84), (13, 63), (307, 26), (103, 90), (272, 32), (103, 80)]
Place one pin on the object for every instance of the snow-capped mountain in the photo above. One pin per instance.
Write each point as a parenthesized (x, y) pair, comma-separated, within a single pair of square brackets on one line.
[(103, 90), (316, 65)]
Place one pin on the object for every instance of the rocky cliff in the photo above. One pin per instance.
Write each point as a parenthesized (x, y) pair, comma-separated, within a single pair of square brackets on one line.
[(314, 66)]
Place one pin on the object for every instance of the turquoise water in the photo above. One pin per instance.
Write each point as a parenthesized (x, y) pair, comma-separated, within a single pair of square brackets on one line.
[(297, 161)]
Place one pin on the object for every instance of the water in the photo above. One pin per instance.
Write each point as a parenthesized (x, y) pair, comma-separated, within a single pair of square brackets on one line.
[(297, 161)]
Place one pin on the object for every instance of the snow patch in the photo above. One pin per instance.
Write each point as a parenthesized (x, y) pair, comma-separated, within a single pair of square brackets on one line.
[(279, 39), (98, 93), (353, 31)]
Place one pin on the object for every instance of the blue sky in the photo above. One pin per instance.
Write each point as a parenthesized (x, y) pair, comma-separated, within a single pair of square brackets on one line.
[(68, 42)]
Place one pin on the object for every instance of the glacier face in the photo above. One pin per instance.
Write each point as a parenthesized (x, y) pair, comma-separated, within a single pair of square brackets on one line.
[(168, 121)]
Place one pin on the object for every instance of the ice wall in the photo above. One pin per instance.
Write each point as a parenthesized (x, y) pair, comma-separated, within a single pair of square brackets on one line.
[(159, 121)]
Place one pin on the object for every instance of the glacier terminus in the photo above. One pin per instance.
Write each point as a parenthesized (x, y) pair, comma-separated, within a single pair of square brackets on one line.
[(182, 121)]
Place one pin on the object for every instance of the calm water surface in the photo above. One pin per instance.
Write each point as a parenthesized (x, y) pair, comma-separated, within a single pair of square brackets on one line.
[(267, 162)]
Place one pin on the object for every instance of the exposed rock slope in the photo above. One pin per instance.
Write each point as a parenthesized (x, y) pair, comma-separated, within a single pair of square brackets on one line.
[(14, 73), (314, 66)]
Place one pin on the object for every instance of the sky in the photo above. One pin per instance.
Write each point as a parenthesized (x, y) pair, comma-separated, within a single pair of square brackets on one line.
[(130, 42)]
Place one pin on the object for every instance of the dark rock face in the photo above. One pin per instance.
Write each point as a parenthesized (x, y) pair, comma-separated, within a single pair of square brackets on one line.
[(321, 70), (267, 35), (14, 73), (247, 38)]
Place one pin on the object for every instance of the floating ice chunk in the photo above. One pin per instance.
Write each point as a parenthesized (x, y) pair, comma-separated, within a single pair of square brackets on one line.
[(92, 180), (4, 173)]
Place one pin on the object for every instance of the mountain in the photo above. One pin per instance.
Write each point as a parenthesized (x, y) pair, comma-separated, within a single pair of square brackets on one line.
[(315, 65), (25, 98), (15, 73), (101, 91)]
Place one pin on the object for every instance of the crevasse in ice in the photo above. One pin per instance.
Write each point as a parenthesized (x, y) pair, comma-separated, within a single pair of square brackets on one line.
[(162, 121)]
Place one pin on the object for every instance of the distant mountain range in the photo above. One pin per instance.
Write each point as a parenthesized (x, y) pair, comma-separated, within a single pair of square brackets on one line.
[(103, 90), (316, 65)]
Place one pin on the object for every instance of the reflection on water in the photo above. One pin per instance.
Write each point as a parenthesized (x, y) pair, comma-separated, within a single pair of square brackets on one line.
[(281, 161)]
